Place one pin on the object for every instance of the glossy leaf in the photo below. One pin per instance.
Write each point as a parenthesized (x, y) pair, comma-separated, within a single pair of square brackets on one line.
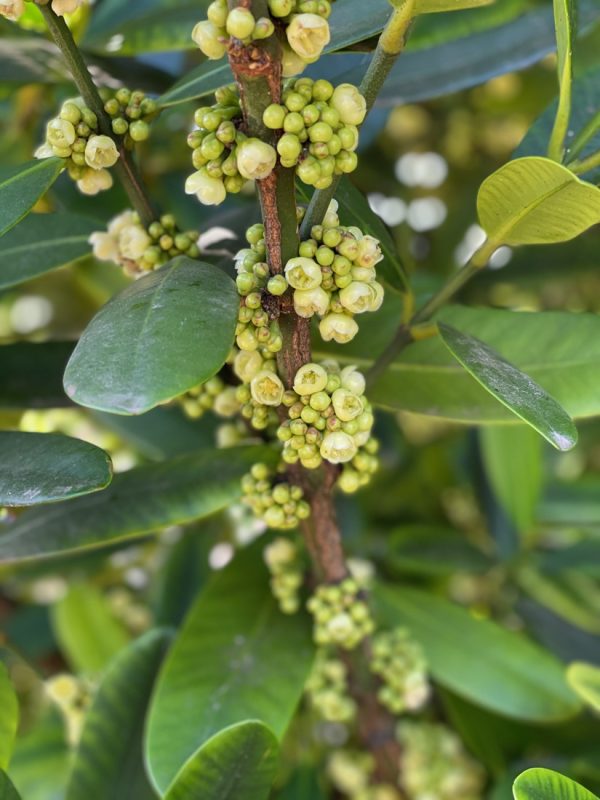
[(545, 784), (479, 660), (164, 334), (22, 186), (87, 631), (536, 201), (43, 242), (41, 761), (138, 502), (31, 59), (9, 718), (513, 462), (585, 680), (109, 759), (513, 388), (558, 350), (564, 21), (426, 550), (32, 374), (241, 761), (45, 467), (221, 669), (7, 790)]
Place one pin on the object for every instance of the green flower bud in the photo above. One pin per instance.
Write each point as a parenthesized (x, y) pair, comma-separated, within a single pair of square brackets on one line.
[(308, 302), (346, 162), (240, 23), (320, 132), (263, 29), (281, 8), (291, 62), (349, 103), (348, 137), (217, 13), (60, 133), (139, 131), (347, 406), (209, 39), (273, 116), (234, 183), (309, 171), (353, 380), (320, 401), (209, 191), (307, 35), (255, 159), (267, 388), (71, 113), (277, 285), (101, 152), (289, 147), (119, 126), (338, 327), (310, 378), (294, 101), (349, 481), (303, 273), (94, 181)]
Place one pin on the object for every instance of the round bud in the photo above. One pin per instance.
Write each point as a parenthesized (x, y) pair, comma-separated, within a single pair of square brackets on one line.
[(349, 103), (340, 328), (209, 39), (119, 126), (94, 181), (289, 147), (281, 8), (273, 116), (277, 285), (338, 447), (348, 137), (308, 302), (71, 113), (217, 13), (309, 379), (320, 132), (60, 133), (240, 23), (346, 162), (101, 152), (263, 29), (139, 130), (303, 273), (255, 159)]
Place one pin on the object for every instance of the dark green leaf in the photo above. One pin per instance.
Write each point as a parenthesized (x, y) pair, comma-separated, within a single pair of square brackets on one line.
[(32, 374), (512, 388), (88, 633), (44, 467), (43, 242), (31, 59), (240, 762), (480, 661), (136, 503), (545, 784), (7, 790), (164, 334), (109, 759), (9, 717), (21, 187), (41, 761), (222, 669), (432, 550)]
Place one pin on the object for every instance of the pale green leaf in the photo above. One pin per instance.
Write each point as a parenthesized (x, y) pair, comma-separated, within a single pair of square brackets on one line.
[(545, 784), (9, 717), (7, 790), (434, 6), (585, 680), (22, 186), (564, 12)]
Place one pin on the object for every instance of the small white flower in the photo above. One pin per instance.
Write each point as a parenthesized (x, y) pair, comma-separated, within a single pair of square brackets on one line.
[(61, 7), (309, 379), (94, 181), (308, 302), (357, 297), (303, 273), (347, 406), (121, 221), (60, 133), (105, 246), (255, 159), (307, 35), (267, 389), (369, 252), (338, 447), (378, 296), (247, 364), (353, 380), (101, 152), (349, 103), (44, 151), (291, 63), (209, 191), (12, 9), (339, 327), (133, 241), (226, 402)]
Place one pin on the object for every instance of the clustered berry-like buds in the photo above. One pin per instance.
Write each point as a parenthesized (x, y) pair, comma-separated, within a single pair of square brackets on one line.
[(334, 277), (327, 689), (130, 113), (224, 157), (329, 418), (278, 504), (306, 28), (341, 617), (285, 564), (400, 663), (351, 772), (213, 35), (435, 764), (139, 250), (12, 9), (213, 395), (319, 129)]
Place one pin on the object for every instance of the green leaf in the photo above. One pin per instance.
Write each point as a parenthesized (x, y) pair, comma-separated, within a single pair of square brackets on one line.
[(564, 20), (41, 761), (21, 187), (109, 759), (9, 717), (44, 467), (221, 669), (545, 784), (43, 242), (559, 350), (88, 633), (534, 200), (138, 502), (429, 550), (32, 374), (512, 388), (585, 680), (7, 790), (31, 59), (434, 6), (164, 334), (480, 661), (239, 762), (512, 457)]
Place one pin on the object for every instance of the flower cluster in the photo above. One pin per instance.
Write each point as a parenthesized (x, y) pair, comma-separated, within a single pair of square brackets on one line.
[(306, 30), (73, 135), (319, 129), (435, 764), (399, 661), (12, 9), (213, 35), (138, 249), (277, 503), (334, 277), (341, 617), (223, 156), (284, 563), (327, 689), (328, 417), (213, 395), (351, 773), (130, 113)]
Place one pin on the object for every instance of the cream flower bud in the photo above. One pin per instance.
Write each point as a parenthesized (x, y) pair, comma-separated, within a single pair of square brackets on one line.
[(363, 274), (369, 252), (353, 380), (357, 297), (44, 151), (61, 7), (226, 403), (338, 447), (12, 9), (307, 35), (240, 23), (346, 405), (247, 364), (339, 327), (60, 133), (101, 152), (361, 438), (331, 219), (133, 241), (310, 379), (94, 181), (121, 221), (267, 388), (378, 296), (255, 159), (340, 627), (303, 273), (349, 103), (279, 553), (291, 63), (210, 191), (308, 302), (210, 39), (104, 246)]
